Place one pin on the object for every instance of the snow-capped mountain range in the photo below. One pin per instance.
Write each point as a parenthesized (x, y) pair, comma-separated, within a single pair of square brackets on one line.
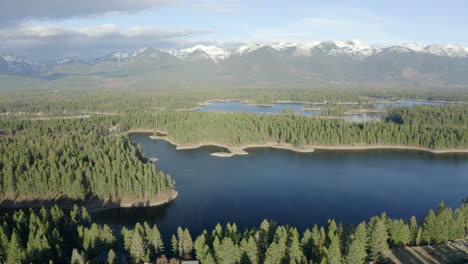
[(353, 48), (305, 63)]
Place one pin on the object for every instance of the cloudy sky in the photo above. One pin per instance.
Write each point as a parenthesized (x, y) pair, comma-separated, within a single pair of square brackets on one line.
[(51, 29)]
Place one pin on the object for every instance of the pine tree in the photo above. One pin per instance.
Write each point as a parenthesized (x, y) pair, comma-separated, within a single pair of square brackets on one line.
[(429, 227), (356, 253), (187, 245), (175, 245), (228, 252), (15, 249), (459, 230), (156, 240), (378, 240), (180, 238), (251, 250), (111, 257), (413, 230), (307, 244), (333, 251), (444, 224), (76, 257), (274, 255), (357, 249), (4, 241), (209, 259), (201, 250), (418, 237), (294, 251), (137, 252), (318, 238), (400, 234)]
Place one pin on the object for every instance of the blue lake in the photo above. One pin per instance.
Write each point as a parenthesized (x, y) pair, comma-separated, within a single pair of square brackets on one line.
[(295, 188)]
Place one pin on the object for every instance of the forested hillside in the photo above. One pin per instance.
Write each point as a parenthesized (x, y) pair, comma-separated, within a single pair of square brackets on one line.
[(74, 160), (37, 236)]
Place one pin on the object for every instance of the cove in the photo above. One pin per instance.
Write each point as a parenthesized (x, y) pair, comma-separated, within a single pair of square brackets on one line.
[(294, 188)]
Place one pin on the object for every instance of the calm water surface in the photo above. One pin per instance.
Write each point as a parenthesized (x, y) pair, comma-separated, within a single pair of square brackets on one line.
[(298, 108), (294, 188), (236, 106)]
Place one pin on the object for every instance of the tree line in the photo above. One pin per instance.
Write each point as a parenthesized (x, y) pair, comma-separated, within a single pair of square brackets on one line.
[(44, 235), (69, 103)]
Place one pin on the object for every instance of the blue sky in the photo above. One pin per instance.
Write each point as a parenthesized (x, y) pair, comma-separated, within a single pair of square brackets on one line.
[(181, 23), (383, 22)]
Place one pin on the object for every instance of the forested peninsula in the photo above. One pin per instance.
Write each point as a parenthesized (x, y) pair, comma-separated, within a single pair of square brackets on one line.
[(430, 128), (76, 161)]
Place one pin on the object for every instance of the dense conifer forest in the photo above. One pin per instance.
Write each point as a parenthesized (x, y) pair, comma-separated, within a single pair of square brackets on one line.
[(422, 126), (73, 160), (40, 235)]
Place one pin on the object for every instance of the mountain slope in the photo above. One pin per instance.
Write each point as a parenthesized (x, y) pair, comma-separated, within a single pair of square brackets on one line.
[(316, 63)]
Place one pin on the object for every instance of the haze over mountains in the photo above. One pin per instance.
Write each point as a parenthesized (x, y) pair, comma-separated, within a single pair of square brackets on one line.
[(338, 63)]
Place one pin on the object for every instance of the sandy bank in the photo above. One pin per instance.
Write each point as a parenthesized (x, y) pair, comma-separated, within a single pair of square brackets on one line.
[(236, 150), (262, 105), (147, 130), (152, 159), (241, 149), (94, 204), (222, 154)]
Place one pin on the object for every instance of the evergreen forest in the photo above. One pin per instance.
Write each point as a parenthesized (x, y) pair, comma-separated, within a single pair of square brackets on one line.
[(44, 235)]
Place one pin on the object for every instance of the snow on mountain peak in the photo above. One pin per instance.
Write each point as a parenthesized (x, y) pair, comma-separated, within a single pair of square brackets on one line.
[(120, 55), (355, 48), (249, 48), (448, 50), (16, 59), (67, 60), (139, 51), (407, 47), (305, 48), (212, 52), (282, 45)]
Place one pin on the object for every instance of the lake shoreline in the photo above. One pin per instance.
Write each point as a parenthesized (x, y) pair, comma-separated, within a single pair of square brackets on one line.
[(241, 149), (254, 103), (94, 204)]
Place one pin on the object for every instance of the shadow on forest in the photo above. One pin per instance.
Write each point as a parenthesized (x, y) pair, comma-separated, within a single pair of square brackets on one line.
[(447, 253)]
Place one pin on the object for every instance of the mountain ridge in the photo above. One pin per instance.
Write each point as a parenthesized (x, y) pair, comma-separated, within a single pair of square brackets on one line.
[(217, 54), (344, 63)]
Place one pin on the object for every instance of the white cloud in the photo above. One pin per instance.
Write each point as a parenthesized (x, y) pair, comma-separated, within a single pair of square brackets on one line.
[(13, 12), (218, 6), (45, 42)]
